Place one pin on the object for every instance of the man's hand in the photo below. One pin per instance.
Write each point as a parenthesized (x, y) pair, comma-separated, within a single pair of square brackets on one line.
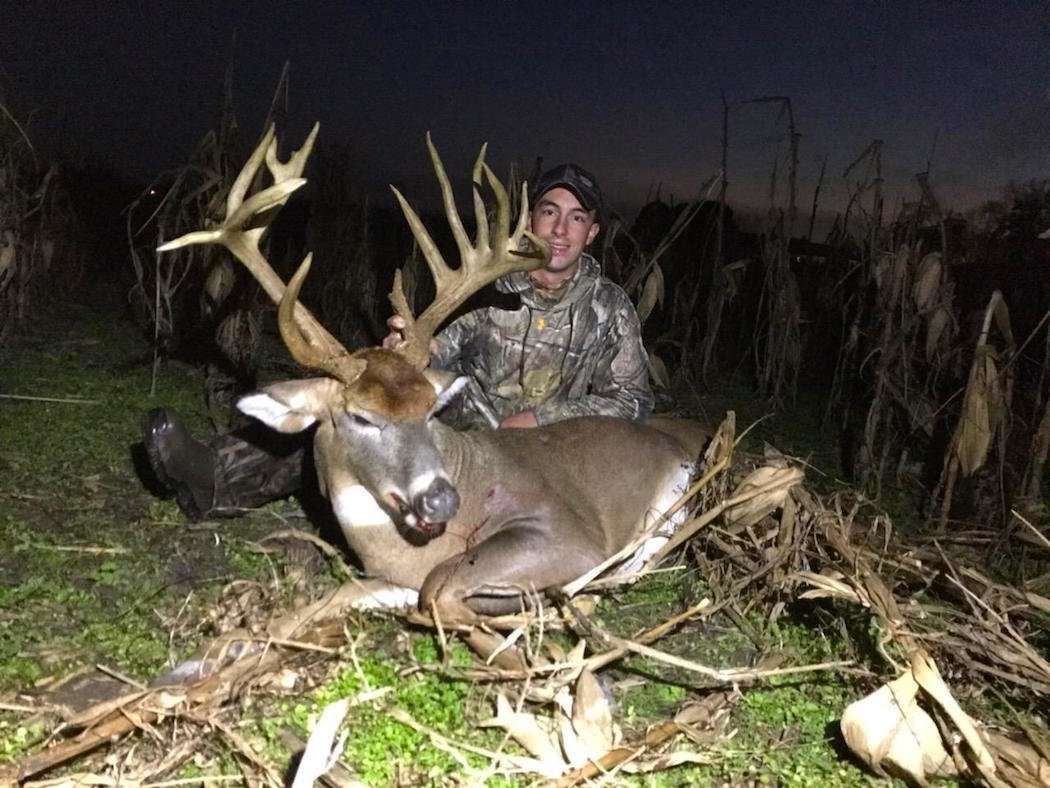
[(396, 337), (524, 420), (396, 324)]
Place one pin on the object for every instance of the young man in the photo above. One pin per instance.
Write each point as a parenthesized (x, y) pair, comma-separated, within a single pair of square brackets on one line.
[(573, 348)]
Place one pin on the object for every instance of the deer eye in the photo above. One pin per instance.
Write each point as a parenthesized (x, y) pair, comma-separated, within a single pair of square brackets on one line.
[(360, 421)]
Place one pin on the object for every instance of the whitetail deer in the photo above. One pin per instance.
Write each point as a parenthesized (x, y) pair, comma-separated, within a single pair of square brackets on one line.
[(470, 520)]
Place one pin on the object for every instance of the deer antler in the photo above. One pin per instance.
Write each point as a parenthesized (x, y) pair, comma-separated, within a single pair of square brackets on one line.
[(245, 223), (484, 262)]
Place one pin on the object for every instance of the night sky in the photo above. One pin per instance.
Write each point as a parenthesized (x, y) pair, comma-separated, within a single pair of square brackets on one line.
[(631, 91)]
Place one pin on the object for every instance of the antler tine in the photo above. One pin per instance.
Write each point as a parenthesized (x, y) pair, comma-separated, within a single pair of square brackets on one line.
[(451, 211), (502, 202), (481, 263), (245, 223), (247, 174), (481, 219), (341, 365), (293, 168)]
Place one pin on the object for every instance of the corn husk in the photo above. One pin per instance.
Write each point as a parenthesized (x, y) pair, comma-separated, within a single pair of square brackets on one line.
[(772, 486), (982, 411), (7, 254), (652, 292), (658, 372), (889, 732), (927, 285)]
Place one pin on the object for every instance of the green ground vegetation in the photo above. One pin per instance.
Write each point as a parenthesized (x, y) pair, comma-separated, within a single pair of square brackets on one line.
[(96, 569)]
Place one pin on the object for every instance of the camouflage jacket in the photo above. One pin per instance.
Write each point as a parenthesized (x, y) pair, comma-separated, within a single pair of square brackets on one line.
[(576, 355)]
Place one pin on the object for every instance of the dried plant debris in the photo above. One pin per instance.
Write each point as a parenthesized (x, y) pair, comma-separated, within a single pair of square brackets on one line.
[(759, 539)]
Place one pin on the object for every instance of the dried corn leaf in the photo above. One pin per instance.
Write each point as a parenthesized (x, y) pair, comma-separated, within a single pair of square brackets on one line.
[(652, 292), (888, 730), (829, 584), (592, 718), (658, 372), (576, 753), (762, 491), (538, 735), (322, 748), (883, 269), (937, 327), (929, 678), (891, 274), (927, 284), (1001, 314), (1038, 602), (47, 252), (7, 253), (981, 412), (169, 700), (720, 447), (1023, 761), (900, 273), (667, 760), (81, 780), (220, 280)]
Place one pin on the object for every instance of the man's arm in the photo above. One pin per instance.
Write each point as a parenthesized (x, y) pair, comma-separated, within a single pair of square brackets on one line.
[(447, 348), (620, 386)]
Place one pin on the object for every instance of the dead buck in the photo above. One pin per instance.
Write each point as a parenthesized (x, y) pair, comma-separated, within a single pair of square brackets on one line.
[(469, 520)]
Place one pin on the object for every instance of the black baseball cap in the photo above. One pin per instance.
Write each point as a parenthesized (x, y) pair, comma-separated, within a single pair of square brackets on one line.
[(574, 178)]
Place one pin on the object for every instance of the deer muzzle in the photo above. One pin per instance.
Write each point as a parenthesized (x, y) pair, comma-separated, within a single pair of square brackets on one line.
[(437, 504), (426, 515)]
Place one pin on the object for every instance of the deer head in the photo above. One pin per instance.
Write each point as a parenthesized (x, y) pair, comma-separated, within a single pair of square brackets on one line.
[(374, 408)]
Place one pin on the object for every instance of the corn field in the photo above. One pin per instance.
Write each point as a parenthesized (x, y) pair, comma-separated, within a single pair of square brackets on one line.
[(926, 387), (37, 227)]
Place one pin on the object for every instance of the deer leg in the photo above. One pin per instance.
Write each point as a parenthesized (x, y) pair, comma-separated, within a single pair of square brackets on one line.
[(491, 577)]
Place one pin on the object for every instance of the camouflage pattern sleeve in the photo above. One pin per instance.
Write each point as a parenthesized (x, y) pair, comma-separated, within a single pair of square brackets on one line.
[(620, 385), (451, 340)]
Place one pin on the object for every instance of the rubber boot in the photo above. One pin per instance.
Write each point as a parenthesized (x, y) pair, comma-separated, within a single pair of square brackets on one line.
[(182, 464), (226, 476)]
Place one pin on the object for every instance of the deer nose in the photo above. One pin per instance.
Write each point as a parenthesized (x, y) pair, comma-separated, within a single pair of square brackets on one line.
[(439, 502)]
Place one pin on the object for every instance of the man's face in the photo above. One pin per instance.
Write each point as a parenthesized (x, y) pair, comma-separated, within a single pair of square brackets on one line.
[(560, 220)]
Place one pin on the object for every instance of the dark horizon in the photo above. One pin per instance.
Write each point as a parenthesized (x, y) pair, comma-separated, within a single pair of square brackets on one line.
[(636, 99)]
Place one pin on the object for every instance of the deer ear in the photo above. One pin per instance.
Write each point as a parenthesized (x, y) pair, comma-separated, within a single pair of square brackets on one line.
[(293, 405), (446, 384)]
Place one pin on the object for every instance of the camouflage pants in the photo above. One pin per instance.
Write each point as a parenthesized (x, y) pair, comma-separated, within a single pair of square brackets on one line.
[(255, 466)]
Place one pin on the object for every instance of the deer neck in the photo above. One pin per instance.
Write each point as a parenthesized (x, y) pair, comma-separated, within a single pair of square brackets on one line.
[(455, 448)]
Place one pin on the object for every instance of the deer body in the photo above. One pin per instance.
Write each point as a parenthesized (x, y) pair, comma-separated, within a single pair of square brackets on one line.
[(535, 508), (539, 483)]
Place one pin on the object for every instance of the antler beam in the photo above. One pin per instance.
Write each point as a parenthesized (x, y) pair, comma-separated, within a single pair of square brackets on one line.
[(241, 231)]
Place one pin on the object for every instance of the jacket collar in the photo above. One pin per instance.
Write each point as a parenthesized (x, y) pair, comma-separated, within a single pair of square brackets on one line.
[(580, 284)]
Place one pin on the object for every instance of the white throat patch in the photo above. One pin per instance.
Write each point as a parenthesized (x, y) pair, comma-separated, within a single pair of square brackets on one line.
[(355, 507)]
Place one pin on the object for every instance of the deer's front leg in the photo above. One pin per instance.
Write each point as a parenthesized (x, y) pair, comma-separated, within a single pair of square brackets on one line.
[(492, 577)]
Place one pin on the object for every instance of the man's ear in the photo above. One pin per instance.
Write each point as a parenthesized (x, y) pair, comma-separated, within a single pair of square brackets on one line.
[(593, 233), (293, 405)]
